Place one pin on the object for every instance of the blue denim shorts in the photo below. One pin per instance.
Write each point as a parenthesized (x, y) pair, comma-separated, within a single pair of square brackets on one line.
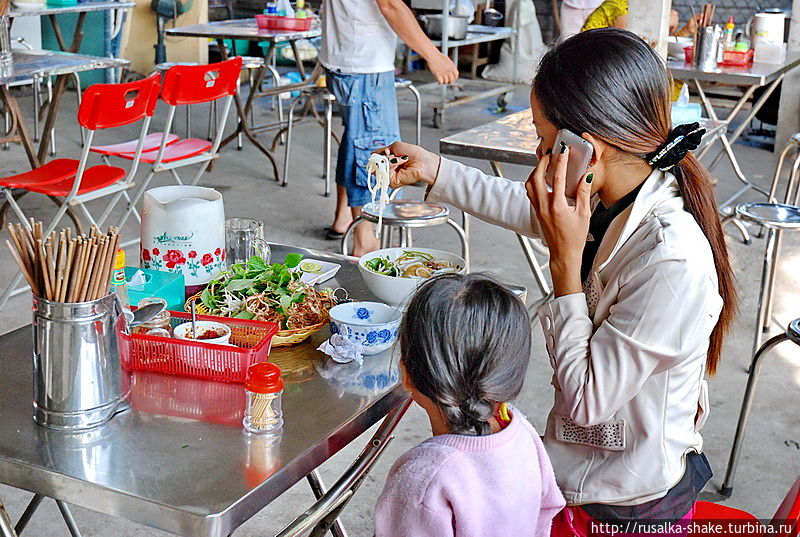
[(368, 105)]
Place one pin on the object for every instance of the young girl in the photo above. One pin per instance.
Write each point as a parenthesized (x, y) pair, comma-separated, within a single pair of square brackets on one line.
[(465, 342)]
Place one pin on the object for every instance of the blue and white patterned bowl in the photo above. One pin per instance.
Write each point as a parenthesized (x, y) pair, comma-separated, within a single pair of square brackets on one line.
[(374, 325)]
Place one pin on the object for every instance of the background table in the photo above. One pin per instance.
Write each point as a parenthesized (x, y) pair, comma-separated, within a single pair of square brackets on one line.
[(113, 24), (179, 460), (249, 30), (513, 140), (752, 77)]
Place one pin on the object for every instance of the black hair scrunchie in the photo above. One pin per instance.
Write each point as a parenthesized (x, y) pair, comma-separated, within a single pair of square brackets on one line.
[(681, 140)]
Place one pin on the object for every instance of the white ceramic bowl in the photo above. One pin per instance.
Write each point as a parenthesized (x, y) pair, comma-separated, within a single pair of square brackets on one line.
[(182, 330), (394, 289), (372, 324), (675, 46)]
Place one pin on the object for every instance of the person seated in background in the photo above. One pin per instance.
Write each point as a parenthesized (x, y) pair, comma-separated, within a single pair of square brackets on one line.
[(574, 14), (465, 343), (614, 13)]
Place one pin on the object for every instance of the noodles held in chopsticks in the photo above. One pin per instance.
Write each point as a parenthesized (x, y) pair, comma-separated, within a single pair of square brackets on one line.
[(378, 165)]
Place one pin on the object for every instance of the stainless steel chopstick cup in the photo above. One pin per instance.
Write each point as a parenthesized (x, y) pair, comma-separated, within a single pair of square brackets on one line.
[(78, 381)]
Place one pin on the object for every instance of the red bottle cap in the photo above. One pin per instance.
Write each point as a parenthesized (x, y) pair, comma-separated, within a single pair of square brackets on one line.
[(264, 377)]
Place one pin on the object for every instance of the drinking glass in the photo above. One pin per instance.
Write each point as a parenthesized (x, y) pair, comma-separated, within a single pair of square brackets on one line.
[(244, 238)]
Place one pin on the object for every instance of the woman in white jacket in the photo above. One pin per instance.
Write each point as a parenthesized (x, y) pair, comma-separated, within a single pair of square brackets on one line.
[(643, 286)]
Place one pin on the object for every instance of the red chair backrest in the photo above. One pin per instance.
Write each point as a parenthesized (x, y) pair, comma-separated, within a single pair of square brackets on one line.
[(787, 517), (112, 105), (190, 84)]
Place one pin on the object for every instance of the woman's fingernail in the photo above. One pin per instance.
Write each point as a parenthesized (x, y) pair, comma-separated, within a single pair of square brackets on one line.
[(563, 148), (548, 151), (404, 157), (393, 161), (589, 178)]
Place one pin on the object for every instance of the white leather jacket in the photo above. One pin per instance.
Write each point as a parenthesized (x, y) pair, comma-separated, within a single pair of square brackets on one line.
[(630, 395)]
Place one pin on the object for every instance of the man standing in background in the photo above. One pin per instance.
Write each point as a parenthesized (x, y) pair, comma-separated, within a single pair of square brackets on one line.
[(359, 40)]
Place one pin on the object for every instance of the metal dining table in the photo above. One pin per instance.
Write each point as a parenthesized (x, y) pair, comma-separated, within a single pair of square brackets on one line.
[(513, 140), (112, 23), (751, 77), (179, 459), (247, 29)]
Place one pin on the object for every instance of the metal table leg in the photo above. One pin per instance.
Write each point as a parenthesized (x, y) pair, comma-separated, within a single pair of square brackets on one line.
[(68, 518), (6, 529), (527, 247), (744, 413), (243, 111), (322, 515), (28, 514), (319, 489)]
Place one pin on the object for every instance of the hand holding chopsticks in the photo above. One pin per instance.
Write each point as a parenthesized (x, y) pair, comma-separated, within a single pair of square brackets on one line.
[(61, 268)]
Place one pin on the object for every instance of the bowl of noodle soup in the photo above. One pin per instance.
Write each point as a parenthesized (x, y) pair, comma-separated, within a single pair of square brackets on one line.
[(393, 274)]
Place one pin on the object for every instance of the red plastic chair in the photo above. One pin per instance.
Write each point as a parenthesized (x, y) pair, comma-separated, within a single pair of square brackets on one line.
[(186, 85), (786, 520), (104, 106), (708, 515)]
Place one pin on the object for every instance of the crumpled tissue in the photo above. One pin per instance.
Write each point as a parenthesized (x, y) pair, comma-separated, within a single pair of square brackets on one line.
[(342, 349)]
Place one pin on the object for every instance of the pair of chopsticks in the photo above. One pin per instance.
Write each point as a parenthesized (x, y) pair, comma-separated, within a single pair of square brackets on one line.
[(707, 17), (62, 268)]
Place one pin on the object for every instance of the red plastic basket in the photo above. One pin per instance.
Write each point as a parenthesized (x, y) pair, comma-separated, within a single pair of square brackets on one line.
[(271, 22), (735, 58), (251, 341)]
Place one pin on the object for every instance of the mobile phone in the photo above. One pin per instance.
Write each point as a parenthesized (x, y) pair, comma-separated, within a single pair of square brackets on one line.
[(580, 155)]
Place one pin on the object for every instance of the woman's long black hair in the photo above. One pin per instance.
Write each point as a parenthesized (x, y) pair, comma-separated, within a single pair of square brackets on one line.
[(465, 343), (610, 83)]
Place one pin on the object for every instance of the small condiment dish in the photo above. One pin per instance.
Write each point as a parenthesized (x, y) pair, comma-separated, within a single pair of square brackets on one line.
[(373, 325), (204, 329)]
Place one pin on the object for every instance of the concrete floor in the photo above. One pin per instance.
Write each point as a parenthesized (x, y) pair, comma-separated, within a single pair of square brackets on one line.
[(296, 215)]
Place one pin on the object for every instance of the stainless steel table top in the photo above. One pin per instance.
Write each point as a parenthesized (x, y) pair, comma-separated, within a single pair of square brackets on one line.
[(241, 29), (179, 459), (757, 74), (29, 63), (479, 34), (45, 9), (513, 139)]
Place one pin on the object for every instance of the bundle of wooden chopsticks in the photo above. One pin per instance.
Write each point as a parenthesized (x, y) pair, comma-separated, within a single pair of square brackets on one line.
[(62, 268), (707, 16)]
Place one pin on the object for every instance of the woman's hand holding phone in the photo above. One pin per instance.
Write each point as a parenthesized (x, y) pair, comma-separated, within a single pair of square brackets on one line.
[(564, 225), (410, 164)]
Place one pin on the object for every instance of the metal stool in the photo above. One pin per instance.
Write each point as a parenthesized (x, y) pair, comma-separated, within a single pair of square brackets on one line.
[(777, 218), (792, 334), (404, 215), (312, 94), (403, 83)]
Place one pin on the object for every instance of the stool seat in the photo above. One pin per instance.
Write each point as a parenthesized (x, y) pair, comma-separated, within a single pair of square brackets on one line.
[(252, 62), (771, 215), (318, 92), (402, 213), (401, 83), (166, 65)]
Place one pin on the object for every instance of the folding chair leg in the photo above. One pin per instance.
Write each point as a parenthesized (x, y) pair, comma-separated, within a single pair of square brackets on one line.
[(135, 199), (176, 176), (53, 130), (135, 211)]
